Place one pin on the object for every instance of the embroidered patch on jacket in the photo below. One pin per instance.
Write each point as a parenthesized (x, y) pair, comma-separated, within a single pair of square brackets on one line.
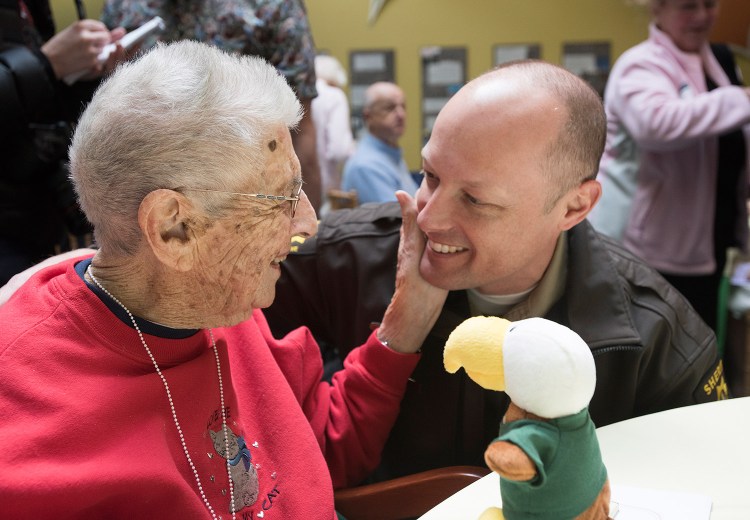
[(713, 385)]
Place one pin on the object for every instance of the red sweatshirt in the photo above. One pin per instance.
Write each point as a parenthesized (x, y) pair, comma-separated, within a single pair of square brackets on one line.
[(87, 430)]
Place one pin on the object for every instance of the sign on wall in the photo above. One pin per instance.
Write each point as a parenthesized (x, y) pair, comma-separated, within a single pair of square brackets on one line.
[(443, 73), (503, 53), (590, 61), (365, 68)]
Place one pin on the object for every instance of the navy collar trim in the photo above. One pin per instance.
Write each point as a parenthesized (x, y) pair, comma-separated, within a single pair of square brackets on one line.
[(147, 327)]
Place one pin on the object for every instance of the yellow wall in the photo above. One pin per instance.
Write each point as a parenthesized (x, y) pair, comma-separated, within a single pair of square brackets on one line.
[(64, 11), (406, 26)]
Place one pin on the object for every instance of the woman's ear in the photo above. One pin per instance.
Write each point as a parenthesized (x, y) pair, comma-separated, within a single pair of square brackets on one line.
[(164, 218), (579, 202)]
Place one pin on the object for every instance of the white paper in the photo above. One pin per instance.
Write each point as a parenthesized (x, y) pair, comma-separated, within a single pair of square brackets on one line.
[(506, 53), (634, 503), (580, 63), (446, 72), (370, 62), (154, 25), (433, 105), (357, 95)]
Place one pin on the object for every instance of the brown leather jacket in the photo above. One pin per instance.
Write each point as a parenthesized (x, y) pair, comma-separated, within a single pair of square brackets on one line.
[(651, 349)]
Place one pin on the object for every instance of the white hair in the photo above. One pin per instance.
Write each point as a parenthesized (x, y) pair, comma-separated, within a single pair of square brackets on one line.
[(182, 115), (329, 69)]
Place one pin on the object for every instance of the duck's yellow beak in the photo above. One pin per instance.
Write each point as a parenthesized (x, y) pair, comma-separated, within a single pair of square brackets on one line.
[(477, 345)]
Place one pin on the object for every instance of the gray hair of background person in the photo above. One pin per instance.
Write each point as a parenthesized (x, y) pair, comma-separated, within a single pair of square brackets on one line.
[(375, 91), (182, 115), (330, 69), (574, 157)]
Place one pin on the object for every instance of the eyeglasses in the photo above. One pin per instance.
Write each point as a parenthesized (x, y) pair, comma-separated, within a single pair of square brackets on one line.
[(294, 199)]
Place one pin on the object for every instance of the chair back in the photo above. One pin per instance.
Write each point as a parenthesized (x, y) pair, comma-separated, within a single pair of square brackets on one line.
[(405, 497), (340, 199)]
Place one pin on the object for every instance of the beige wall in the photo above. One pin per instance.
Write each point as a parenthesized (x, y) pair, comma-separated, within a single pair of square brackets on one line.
[(405, 26)]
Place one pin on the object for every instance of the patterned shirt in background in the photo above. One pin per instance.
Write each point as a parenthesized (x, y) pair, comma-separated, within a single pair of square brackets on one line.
[(277, 30)]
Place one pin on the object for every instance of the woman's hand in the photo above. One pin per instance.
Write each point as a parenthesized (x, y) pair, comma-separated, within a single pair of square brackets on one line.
[(416, 304)]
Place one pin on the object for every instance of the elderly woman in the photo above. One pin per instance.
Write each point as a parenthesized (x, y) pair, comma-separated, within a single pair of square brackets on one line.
[(674, 171), (144, 382)]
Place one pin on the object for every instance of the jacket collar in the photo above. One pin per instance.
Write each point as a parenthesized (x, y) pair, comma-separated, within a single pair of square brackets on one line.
[(550, 288), (581, 272), (597, 305)]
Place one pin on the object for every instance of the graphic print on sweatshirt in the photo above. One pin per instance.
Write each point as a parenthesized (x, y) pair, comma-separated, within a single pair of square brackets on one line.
[(244, 474)]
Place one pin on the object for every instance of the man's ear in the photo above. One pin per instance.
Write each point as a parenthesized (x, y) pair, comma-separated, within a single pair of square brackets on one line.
[(579, 202), (163, 216)]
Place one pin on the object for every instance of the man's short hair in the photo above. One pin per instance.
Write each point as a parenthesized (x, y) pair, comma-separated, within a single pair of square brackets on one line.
[(574, 156)]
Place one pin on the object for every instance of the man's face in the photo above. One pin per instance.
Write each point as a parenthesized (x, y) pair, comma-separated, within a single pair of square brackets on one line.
[(482, 203), (687, 22), (386, 116), (240, 253)]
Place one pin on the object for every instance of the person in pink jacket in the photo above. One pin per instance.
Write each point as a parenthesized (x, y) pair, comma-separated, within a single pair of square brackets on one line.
[(674, 172), (144, 382)]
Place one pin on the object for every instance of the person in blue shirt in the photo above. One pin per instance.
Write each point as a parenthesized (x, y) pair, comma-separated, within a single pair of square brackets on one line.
[(377, 169)]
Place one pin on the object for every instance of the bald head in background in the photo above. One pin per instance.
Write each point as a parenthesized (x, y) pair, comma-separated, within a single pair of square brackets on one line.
[(385, 111)]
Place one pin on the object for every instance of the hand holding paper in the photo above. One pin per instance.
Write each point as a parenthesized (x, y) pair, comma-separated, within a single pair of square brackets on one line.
[(128, 41)]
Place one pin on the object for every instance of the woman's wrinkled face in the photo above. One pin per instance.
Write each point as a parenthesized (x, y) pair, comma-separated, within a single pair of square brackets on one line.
[(687, 22), (240, 254)]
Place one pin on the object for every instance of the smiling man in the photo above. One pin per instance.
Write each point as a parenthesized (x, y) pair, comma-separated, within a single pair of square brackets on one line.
[(509, 178)]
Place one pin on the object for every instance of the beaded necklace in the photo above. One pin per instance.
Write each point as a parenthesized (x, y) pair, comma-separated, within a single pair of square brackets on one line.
[(174, 412)]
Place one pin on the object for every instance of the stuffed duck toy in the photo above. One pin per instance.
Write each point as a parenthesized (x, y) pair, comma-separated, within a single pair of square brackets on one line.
[(547, 453)]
